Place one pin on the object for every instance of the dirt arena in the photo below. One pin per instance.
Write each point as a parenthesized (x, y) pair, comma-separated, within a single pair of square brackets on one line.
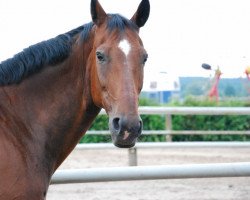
[(188, 189)]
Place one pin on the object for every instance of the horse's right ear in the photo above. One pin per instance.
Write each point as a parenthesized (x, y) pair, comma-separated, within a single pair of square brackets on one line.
[(142, 13), (97, 13)]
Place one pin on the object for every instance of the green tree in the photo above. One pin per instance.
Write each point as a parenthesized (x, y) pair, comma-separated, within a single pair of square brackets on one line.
[(230, 91)]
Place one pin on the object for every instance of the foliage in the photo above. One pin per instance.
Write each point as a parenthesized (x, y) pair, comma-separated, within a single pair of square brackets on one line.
[(180, 122), (100, 123), (202, 122), (208, 122)]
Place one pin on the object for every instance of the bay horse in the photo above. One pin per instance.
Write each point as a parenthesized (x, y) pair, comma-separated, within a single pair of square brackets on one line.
[(51, 92)]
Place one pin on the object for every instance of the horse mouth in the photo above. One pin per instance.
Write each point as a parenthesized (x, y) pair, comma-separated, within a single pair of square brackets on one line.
[(125, 146), (124, 140)]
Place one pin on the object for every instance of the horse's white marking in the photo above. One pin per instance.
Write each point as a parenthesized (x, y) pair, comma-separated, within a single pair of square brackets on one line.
[(124, 45), (126, 135)]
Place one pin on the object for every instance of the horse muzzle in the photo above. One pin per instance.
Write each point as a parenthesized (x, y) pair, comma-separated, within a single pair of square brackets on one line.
[(125, 130)]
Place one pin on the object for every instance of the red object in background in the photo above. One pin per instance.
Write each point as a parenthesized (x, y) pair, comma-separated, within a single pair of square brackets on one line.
[(247, 72), (214, 93)]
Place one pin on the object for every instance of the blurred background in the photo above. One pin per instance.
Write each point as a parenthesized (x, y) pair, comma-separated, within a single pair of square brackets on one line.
[(179, 36)]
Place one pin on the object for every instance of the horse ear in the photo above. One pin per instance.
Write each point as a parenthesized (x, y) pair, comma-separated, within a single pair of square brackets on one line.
[(142, 13), (97, 13)]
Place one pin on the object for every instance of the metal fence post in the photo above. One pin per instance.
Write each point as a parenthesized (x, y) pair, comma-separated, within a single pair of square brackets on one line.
[(132, 157), (168, 127)]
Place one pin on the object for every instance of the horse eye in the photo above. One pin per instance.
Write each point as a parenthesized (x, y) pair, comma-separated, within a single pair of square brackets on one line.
[(100, 56), (145, 58)]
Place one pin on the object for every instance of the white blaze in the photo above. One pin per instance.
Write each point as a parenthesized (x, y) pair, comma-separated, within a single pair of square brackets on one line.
[(124, 46)]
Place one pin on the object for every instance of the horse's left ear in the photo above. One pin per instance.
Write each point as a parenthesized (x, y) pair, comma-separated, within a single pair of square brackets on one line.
[(142, 13), (97, 13)]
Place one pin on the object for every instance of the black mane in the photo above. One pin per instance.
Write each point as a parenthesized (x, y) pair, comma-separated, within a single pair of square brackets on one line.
[(35, 57), (52, 51)]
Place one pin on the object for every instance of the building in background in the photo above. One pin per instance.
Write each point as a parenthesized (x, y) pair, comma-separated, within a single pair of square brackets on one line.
[(161, 87)]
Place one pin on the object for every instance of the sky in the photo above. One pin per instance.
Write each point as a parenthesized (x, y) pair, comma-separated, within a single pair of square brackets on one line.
[(179, 36)]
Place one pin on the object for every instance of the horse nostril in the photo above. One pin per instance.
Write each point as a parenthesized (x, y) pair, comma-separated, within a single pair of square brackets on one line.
[(140, 127), (116, 124)]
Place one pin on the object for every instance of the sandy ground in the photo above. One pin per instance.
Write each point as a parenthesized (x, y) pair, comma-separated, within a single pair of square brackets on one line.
[(181, 189)]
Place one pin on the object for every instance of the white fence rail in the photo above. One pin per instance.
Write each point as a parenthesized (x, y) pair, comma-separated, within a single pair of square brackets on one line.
[(152, 110), (149, 145), (152, 173), (172, 132)]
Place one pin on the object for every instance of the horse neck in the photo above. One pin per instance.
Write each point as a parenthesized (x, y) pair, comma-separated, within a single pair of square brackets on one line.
[(55, 107)]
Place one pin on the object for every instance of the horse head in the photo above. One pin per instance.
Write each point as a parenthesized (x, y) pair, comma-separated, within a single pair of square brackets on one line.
[(118, 58)]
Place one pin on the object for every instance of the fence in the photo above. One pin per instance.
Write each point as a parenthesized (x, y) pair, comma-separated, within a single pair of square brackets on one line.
[(168, 112), (152, 173), (164, 172)]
